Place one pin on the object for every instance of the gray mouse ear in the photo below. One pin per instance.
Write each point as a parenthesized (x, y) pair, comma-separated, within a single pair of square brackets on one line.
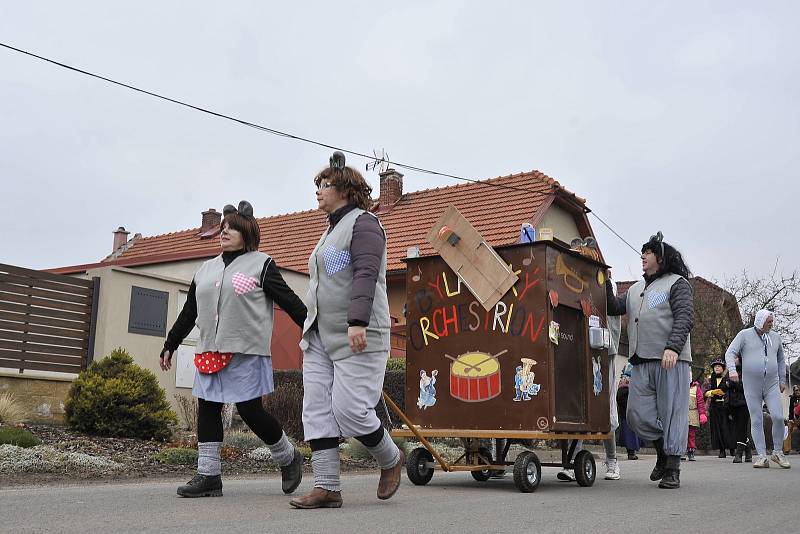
[(337, 160), (227, 210), (245, 208)]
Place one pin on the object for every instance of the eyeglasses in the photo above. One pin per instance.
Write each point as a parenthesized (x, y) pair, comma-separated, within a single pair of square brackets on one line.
[(324, 185)]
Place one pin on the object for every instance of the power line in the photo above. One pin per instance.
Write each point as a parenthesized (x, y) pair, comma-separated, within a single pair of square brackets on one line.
[(281, 133)]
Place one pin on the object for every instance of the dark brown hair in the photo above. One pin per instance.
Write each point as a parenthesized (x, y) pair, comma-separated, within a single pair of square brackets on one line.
[(350, 182), (247, 226)]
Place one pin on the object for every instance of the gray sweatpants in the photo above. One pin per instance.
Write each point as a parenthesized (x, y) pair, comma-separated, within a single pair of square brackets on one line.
[(758, 389), (658, 404), (340, 395)]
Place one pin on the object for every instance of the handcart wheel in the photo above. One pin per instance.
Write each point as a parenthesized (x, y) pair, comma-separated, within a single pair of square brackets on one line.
[(485, 457), (527, 472), (585, 470), (418, 466)]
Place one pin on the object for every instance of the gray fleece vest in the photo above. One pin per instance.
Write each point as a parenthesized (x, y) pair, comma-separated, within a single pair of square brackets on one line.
[(233, 313), (650, 319), (330, 285)]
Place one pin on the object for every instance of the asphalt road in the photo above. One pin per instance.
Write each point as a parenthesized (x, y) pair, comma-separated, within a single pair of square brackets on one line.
[(737, 498)]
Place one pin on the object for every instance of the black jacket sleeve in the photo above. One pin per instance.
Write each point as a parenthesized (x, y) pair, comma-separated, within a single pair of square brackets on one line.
[(184, 323), (615, 305), (366, 250), (275, 287), (681, 301)]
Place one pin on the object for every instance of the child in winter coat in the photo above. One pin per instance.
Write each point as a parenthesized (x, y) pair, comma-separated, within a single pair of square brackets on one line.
[(697, 416)]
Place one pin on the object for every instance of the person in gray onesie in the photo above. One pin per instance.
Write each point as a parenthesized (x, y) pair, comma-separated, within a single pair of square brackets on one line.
[(764, 379), (660, 311)]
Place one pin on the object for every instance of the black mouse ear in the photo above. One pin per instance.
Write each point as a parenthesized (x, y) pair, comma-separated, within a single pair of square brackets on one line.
[(245, 208), (337, 160), (227, 210)]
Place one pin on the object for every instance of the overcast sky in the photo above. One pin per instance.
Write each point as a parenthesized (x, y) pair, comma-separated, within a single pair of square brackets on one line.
[(679, 116)]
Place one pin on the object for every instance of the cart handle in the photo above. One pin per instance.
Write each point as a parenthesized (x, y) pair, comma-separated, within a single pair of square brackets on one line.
[(413, 428)]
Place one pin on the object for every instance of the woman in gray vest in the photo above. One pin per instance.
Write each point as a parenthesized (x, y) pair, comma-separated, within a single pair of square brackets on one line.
[(346, 337), (660, 311), (231, 301), (764, 379)]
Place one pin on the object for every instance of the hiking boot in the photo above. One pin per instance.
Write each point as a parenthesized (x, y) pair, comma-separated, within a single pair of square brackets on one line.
[(672, 473), (318, 498), (292, 474), (737, 458), (761, 462), (612, 469), (390, 478), (566, 475), (690, 455), (780, 459), (632, 456), (202, 486)]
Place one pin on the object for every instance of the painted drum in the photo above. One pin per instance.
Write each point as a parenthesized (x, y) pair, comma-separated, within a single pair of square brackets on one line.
[(475, 377)]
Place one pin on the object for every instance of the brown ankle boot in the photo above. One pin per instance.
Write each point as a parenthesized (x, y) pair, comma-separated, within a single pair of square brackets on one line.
[(318, 498), (390, 478)]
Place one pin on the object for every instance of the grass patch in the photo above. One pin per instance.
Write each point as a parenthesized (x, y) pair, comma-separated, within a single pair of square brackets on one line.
[(20, 437), (11, 412), (176, 456), (242, 439)]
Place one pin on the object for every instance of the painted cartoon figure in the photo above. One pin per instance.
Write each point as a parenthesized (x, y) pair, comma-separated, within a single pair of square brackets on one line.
[(523, 381), (597, 384), (427, 389)]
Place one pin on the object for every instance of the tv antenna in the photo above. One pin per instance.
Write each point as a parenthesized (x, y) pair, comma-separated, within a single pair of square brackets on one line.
[(380, 162)]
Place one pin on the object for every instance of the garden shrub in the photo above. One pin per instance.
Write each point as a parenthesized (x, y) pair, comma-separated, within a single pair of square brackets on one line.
[(242, 439), (396, 364), (176, 456), (21, 437), (115, 397), (286, 404)]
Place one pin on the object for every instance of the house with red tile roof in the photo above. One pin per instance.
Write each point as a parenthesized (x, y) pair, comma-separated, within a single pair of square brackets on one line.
[(496, 208)]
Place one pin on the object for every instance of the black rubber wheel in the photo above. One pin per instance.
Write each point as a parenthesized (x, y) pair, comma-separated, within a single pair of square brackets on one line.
[(585, 469), (485, 457), (418, 466), (527, 472)]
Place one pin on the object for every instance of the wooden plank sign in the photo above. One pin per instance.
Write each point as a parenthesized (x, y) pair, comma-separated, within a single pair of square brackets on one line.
[(486, 275)]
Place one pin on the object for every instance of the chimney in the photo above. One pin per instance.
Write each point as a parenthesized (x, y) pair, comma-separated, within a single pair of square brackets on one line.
[(211, 220), (120, 238), (391, 189)]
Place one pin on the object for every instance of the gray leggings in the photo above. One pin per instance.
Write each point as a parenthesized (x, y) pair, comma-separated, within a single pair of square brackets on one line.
[(756, 391)]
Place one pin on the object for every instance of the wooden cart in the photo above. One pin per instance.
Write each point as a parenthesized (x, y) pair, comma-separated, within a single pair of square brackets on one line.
[(523, 370)]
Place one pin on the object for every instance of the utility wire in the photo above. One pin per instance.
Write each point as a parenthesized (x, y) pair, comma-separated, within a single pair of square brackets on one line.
[(285, 134)]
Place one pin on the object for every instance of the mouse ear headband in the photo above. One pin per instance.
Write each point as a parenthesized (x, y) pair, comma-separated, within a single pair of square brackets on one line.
[(245, 209)]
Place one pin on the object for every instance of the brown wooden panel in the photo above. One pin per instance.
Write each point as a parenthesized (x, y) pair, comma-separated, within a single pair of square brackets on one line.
[(46, 293), (82, 326), (46, 349), (44, 284), (46, 330), (47, 340), (69, 280), (36, 301), (42, 358), (34, 366), (488, 434)]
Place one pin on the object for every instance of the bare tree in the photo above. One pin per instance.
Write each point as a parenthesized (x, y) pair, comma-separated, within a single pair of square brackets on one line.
[(777, 292)]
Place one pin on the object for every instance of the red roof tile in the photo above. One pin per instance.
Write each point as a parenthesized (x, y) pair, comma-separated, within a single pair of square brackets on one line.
[(496, 212)]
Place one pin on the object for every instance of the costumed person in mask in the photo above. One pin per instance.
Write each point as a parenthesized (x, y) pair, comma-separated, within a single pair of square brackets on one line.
[(697, 416), (718, 408), (231, 299), (764, 379), (660, 310), (346, 337), (738, 416)]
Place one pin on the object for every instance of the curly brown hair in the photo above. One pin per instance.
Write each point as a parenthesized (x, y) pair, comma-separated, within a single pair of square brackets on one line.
[(349, 182), (247, 226)]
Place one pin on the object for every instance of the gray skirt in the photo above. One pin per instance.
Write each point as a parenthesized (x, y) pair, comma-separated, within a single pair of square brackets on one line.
[(246, 377)]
